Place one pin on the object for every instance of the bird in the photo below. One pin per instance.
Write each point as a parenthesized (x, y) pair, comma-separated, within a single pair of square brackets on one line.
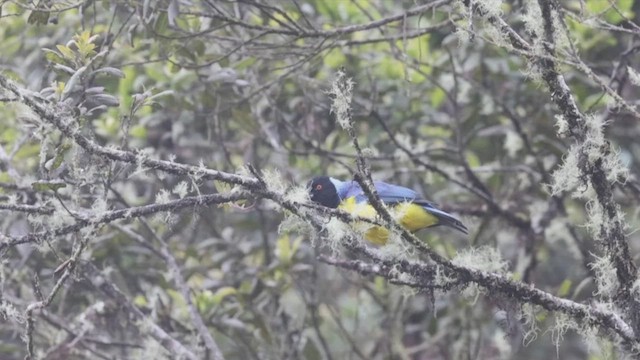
[(409, 209)]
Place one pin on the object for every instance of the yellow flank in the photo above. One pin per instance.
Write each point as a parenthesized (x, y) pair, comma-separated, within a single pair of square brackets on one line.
[(413, 217)]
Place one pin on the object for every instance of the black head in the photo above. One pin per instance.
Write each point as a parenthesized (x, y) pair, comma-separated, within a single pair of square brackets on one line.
[(324, 192)]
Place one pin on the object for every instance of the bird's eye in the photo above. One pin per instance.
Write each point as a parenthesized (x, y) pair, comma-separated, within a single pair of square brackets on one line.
[(318, 187)]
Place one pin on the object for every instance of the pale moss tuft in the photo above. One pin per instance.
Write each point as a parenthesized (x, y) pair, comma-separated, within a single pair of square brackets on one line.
[(595, 342), (163, 197), (342, 92), (532, 18), (244, 171), (370, 152), (498, 37), (512, 143), (337, 234), (12, 199), (616, 171), (561, 38), (463, 35), (484, 258), (557, 232), (567, 176), (274, 181), (472, 292), (595, 134), (62, 216), (8, 312), (492, 7), (562, 125), (563, 322), (396, 248), (441, 277), (100, 206), (533, 73), (181, 189), (606, 276), (294, 223), (297, 194), (527, 318), (502, 345), (597, 220), (141, 171), (634, 76)]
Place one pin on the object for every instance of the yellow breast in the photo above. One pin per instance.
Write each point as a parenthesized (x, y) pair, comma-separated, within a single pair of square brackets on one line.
[(413, 217)]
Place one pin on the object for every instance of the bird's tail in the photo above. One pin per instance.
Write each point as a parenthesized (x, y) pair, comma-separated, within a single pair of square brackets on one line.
[(447, 220)]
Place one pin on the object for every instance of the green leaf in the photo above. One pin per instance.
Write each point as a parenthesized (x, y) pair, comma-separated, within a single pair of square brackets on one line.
[(38, 17), (437, 97), (110, 71), (85, 46), (53, 56), (222, 293), (60, 153), (47, 185), (472, 159), (162, 23), (138, 131), (140, 301), (66, 51), (335, 58), (73, 81), (563, 291)]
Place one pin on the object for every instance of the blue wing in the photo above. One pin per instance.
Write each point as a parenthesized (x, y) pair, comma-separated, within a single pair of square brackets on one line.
[(388, 193), (393, 194)]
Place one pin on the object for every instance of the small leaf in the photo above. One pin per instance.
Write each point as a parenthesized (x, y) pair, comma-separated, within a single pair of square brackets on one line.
[(563, 291), (92, 110), (174, 68), (53, 56), (222, 293), (48, 91), (138, 131), (60, 153), (162, 93), (283, 249), (140, 301), (64, 68), (60, 85), (73, 81), (66, 51), (105, 99), (84, 43), (94, 90), (161, 24), (286, 250), (472, 159), (38, 17), (48, 185), (109, 71)]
